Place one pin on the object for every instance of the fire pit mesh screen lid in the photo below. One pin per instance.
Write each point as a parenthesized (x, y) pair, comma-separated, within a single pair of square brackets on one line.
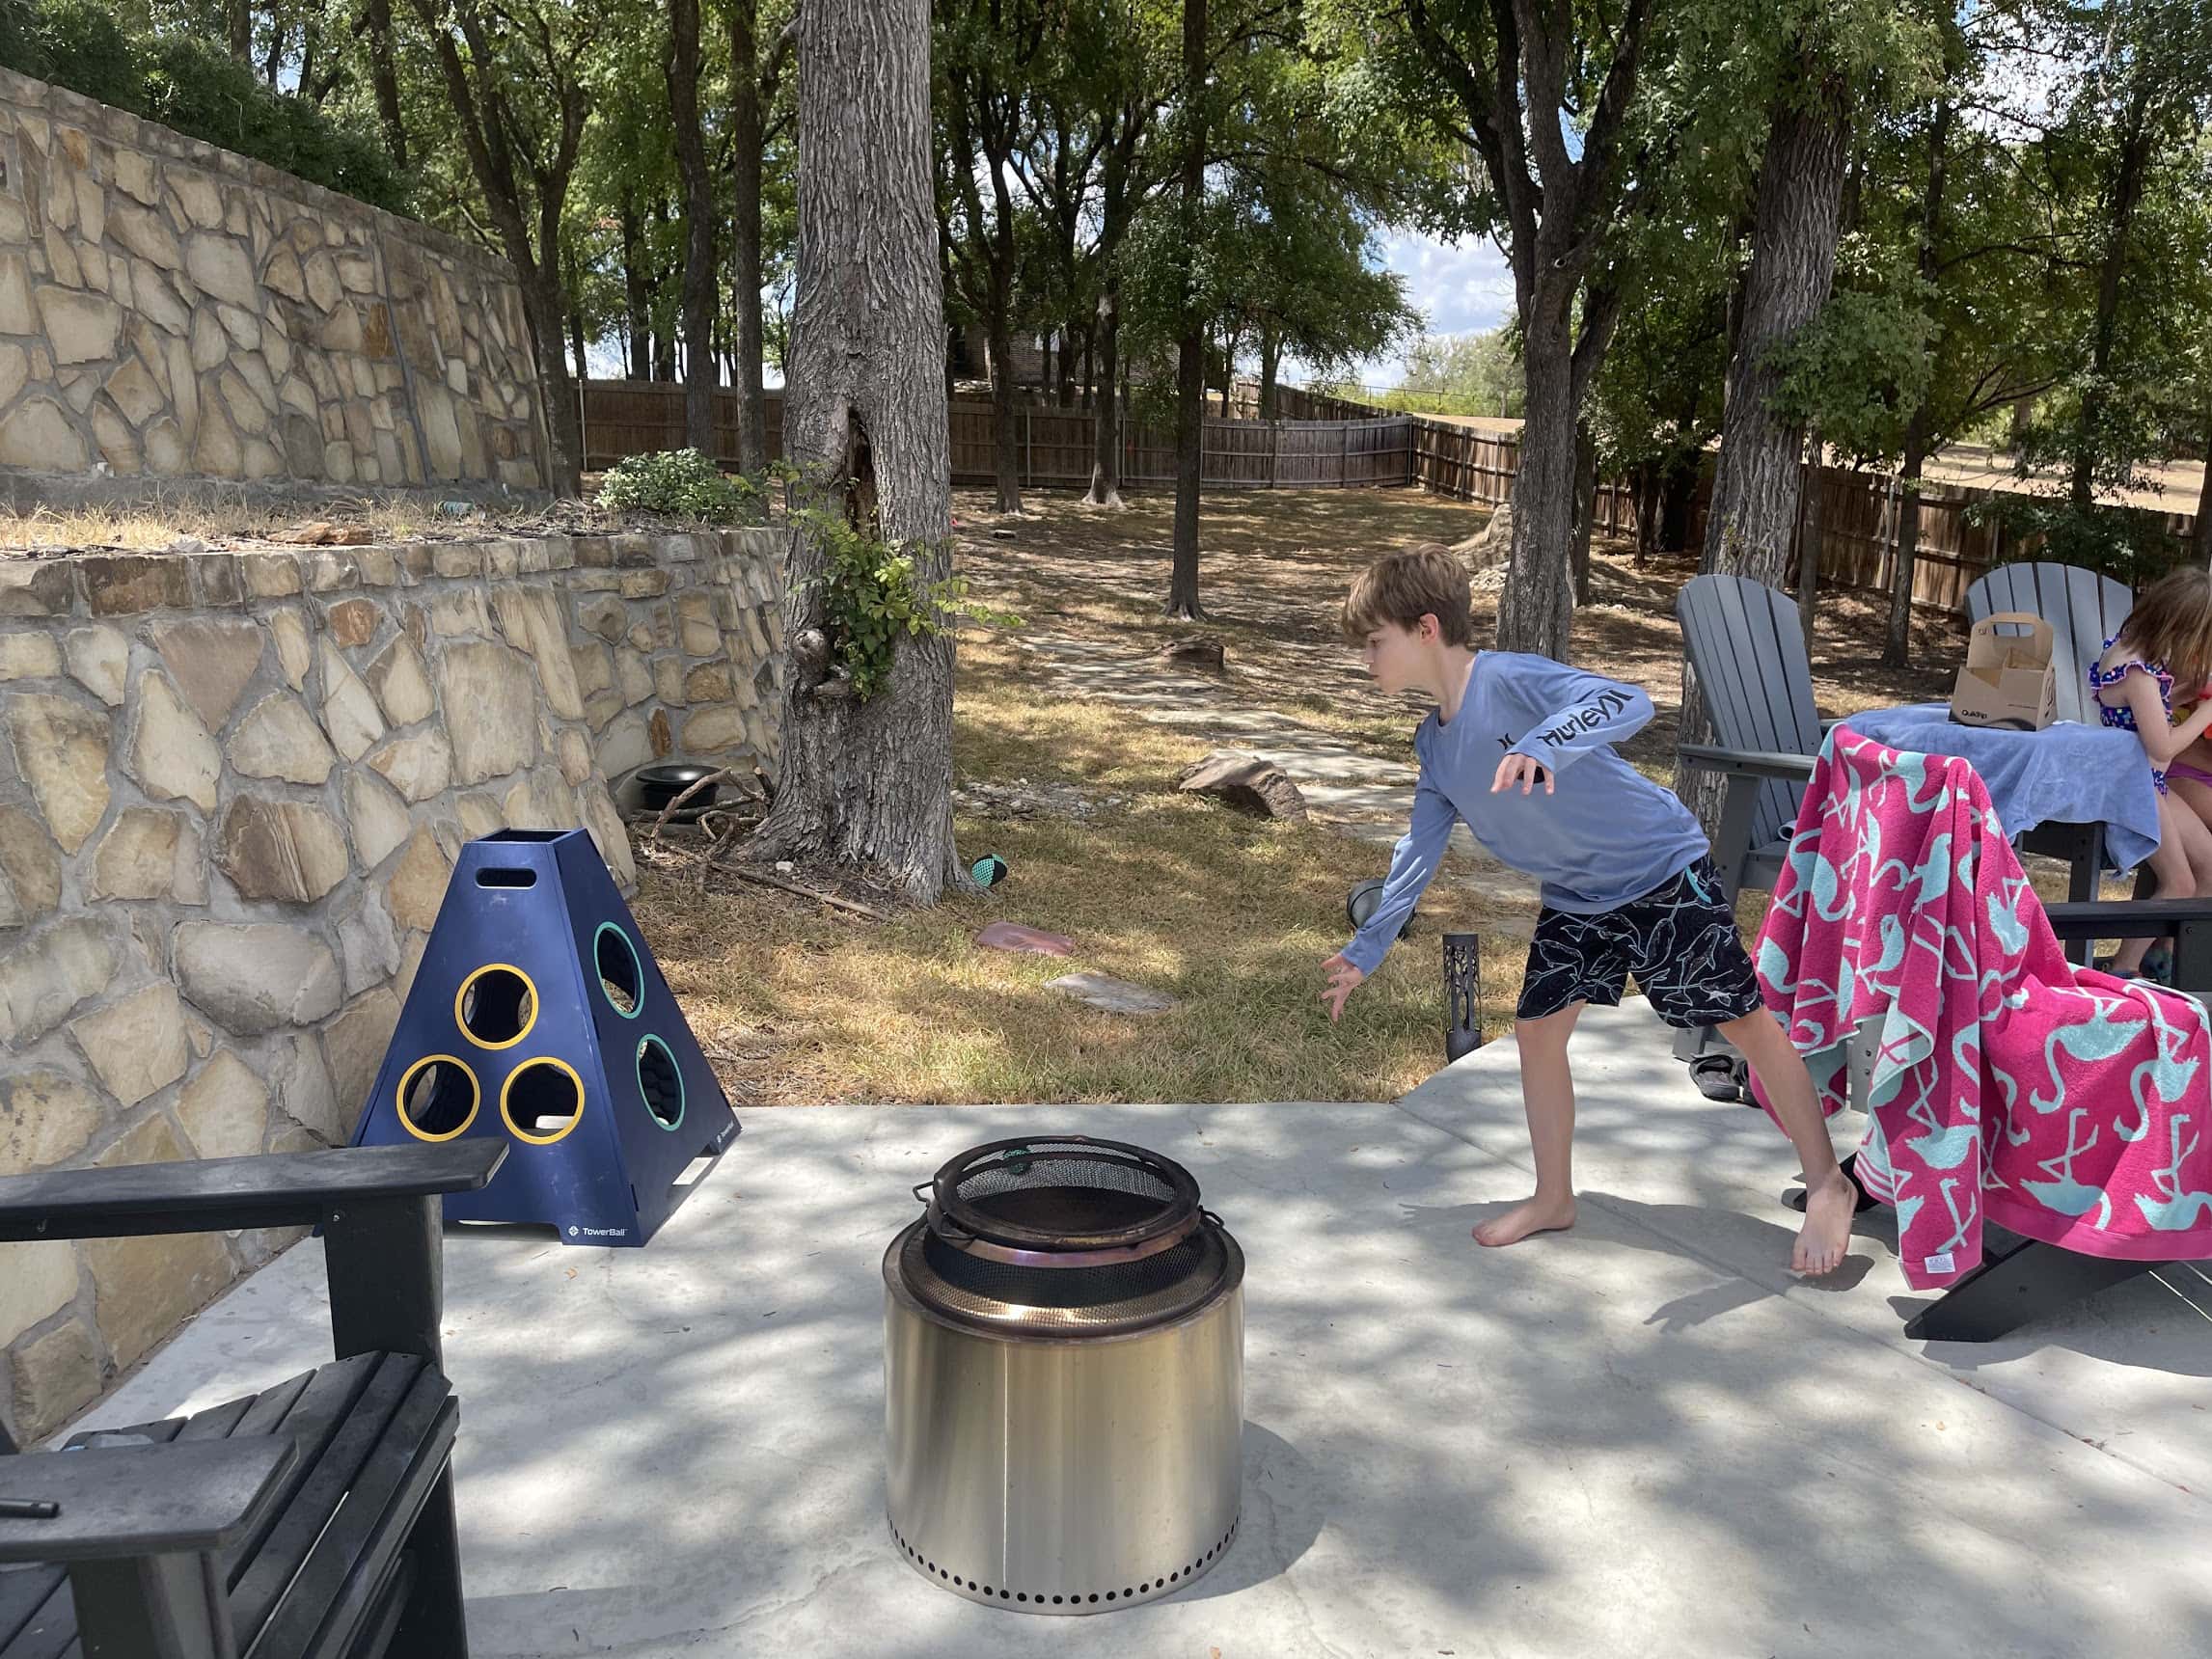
[(1099, 1301), (1065, 1193)]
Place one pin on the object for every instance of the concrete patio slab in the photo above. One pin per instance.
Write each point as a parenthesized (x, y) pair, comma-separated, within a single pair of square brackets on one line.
[(1642, 1437)]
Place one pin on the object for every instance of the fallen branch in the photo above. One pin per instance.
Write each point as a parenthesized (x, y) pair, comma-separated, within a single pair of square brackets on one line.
[(723, 776), (761, 878)]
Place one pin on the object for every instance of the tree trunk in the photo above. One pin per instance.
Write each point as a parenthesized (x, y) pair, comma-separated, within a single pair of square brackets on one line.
[(1537, 606), (535, 258), (576, 323), (1793, 267), (1106, 412), (1897, 646), (239, 15), (1191, 348), (2135, 149), (1812, 544), (1271, 365), (1090, 365), (699, 282), (384, 79), (1005, 410), (1585, 508), (867, 784), (1649, 491), (1920, 433), (1678, 503), (2200, 539), (745, 139), (637, 304)]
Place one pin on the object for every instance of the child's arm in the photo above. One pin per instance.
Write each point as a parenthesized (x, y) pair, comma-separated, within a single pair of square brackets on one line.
[(2162, 739), (1412, 864), (1588, 710)]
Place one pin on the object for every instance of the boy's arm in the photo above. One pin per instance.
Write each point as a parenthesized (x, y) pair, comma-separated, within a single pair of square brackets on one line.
[(1411, 865), (1588, 710)]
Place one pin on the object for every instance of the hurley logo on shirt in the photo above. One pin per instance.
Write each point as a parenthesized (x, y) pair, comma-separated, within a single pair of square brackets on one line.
[(1588, 718)]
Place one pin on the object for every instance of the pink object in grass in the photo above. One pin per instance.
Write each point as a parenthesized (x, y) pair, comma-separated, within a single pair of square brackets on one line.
[(2007, 1083), (1013, 936)]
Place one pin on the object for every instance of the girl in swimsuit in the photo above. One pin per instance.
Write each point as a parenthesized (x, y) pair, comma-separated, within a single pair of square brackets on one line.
[(2166, 643)]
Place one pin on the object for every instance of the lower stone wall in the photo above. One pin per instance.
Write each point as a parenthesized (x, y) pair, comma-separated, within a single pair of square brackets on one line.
[(232, 786)]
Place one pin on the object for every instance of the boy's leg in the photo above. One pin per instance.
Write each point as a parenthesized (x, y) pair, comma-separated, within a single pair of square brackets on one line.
[(1692, 964), (1547, 1096), (1831, 1199)]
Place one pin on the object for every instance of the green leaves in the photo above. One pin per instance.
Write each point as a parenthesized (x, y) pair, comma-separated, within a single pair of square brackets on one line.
[(873, 597), (681, 483)]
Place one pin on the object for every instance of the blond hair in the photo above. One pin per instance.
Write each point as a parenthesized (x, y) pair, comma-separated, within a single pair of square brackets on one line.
[(2171, 626), (1426, 579)]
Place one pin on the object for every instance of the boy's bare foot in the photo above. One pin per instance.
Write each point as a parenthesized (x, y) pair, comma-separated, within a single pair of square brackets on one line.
[(1536, 1214), (1827, 1231)]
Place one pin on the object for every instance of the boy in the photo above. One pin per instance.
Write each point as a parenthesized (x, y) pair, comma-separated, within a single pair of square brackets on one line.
[(1522, 748)]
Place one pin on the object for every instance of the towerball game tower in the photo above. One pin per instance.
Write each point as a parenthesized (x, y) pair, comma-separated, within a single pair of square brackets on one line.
[(538, 1013)]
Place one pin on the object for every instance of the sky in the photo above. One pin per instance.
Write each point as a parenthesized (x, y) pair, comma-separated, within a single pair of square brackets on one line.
[(1459, 287)]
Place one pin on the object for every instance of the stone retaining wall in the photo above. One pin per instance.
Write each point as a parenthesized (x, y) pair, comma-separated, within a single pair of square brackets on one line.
[(172, 311), (232, 786)]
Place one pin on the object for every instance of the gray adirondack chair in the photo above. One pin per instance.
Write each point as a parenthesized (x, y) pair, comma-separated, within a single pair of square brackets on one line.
[(1745, 644), (2084, 609)]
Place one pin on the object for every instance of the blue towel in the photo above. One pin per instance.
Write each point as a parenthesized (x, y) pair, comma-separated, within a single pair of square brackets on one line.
[(2065, 774)]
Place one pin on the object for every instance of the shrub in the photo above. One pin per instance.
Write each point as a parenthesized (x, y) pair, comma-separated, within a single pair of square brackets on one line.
[(681, 483)]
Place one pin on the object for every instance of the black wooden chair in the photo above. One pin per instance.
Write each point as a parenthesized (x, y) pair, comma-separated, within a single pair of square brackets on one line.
[(1748, 651), (2024, 1279), (2083, 610), (314, 1518)]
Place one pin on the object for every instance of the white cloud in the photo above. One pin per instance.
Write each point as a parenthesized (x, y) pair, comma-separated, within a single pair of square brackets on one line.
[(1459, 287)]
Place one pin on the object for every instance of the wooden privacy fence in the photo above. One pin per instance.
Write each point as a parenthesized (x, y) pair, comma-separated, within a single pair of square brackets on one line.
[(1054, 446), (1859, 513)]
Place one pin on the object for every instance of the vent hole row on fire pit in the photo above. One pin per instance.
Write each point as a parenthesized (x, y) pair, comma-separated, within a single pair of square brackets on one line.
[(1126, 1594)]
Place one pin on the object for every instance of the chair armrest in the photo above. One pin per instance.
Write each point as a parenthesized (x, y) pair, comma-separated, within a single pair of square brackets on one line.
[(1747, 762), (2188, 921), (217, 1194), (2127, 918), (189, 1496)]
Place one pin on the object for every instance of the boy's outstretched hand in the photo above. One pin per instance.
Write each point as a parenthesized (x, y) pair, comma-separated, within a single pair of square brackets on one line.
[(1522, 770), (1343, 980)]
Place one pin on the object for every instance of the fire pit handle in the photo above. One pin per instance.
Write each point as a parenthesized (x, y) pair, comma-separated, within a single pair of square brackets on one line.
[(921, 1191)]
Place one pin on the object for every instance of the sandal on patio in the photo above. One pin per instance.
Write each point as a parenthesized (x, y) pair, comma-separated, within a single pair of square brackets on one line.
[(1719, 1078)]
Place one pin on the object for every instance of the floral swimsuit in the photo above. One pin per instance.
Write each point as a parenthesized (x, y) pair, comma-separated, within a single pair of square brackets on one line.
[(2123, 716)]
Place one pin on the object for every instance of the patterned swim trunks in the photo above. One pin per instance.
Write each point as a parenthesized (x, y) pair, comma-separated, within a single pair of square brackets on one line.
[(1679, 939)]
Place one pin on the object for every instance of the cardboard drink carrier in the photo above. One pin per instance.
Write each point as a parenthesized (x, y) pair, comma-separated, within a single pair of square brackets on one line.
[(2008, 680)]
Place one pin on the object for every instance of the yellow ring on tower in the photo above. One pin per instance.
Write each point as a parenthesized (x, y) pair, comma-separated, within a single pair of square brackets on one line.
[(507, 1113), (526, 1005), (406, 1078)]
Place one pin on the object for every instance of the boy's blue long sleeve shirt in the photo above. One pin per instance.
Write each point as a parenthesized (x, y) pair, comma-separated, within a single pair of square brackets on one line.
[(1605, 835)]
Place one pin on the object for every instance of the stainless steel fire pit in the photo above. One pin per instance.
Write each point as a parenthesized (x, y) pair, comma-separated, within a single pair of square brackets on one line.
[(1064, 1377)]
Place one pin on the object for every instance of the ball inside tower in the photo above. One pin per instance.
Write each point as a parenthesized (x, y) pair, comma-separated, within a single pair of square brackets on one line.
[(1064, 1377)]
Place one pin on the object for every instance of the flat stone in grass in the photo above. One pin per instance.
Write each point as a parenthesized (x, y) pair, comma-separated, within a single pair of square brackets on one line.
[(1248, 783), (1015, 935), (1114, 995)]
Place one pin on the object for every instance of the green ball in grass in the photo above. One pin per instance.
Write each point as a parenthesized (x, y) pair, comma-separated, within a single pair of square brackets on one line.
[(989, 870)]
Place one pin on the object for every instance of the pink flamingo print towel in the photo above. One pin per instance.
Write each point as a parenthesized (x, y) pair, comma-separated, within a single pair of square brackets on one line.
[(2008, 1086)]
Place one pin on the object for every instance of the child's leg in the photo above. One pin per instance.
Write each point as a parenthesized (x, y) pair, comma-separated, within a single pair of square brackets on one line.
[(2195, 824), (2170, 866), (1547, 1096), (1831, 1199)]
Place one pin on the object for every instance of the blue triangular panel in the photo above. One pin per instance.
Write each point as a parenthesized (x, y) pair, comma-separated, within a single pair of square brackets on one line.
[(537, 992)]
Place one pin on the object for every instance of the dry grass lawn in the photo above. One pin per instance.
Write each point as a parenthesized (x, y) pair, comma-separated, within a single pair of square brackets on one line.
[(797, 1003)]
